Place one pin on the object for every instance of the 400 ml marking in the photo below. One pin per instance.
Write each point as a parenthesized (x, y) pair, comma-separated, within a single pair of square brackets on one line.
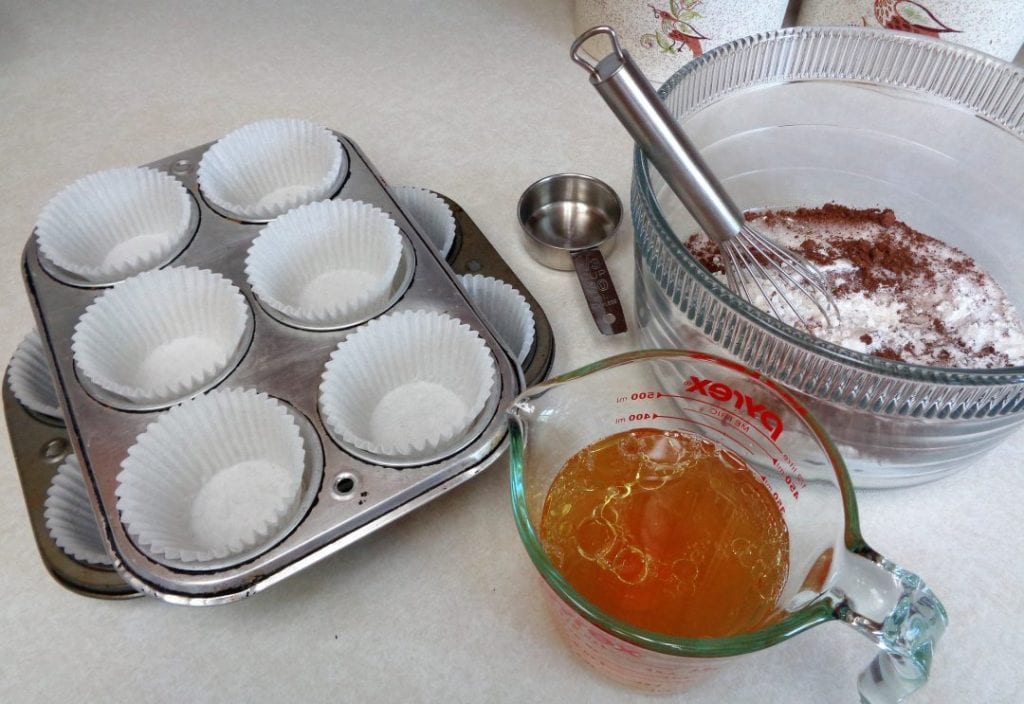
[(724, 393)]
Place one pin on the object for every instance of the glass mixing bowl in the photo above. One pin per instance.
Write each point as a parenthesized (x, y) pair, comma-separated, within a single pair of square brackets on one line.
[(865, 118)]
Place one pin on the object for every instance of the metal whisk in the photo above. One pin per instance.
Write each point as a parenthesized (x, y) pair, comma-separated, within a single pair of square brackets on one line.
[(753, 264)]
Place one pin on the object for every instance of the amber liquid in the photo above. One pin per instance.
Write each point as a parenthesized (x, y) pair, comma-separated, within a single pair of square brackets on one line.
[(668, 532)]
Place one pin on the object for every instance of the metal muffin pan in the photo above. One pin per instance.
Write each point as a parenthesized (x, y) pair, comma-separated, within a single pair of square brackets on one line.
[(39, 446), (350, 496)]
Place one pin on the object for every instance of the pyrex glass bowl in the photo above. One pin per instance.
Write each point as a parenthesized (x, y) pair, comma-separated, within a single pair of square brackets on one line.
[(864, 118)]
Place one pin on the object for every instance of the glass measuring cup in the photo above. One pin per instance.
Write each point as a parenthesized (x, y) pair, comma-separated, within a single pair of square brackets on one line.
[(833, 574)]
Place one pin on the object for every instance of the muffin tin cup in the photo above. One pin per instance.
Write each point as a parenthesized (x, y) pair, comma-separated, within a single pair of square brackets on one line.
[(160, 337), (431, 213), (216, 480), (30, 380), (506, 309), (407, 388), (70, 519), (350, 493), (264, 169), (326, 265), (112, 224)]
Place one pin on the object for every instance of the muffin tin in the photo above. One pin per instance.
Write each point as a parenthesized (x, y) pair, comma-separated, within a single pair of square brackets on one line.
[(40, 444), (344, 495)]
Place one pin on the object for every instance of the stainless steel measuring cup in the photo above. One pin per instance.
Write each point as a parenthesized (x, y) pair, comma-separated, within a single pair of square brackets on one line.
[(832, 574), (570, 221)]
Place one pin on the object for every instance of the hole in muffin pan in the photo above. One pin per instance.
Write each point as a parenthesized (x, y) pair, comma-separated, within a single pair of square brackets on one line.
[(401, 283), (71, 279), (55, 451), (344, 486)]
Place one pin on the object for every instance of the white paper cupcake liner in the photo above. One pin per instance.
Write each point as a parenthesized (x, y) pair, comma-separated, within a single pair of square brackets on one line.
[(266, 168), (161, 335), (112, 224), (505, 308), (431, 213), (212, 478), (30, 380), (69, 516), (326, 263), (407, 385)]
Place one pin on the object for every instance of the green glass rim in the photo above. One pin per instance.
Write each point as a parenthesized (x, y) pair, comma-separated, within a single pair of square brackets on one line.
[(816, 612), (644, 190)]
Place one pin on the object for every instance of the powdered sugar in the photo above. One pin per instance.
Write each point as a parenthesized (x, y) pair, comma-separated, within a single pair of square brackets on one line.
[(901, 295)]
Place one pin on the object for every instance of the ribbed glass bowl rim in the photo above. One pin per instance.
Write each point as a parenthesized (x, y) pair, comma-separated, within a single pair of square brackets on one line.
[(802, 63)]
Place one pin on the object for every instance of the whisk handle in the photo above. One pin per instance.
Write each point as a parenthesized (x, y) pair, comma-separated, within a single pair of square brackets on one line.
[(630, 96)]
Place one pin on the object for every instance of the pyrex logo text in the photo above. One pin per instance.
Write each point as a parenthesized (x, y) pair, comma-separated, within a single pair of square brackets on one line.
[(724, 393)]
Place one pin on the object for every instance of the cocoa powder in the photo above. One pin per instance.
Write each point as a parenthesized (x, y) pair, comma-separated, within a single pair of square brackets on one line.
[(870, 254)]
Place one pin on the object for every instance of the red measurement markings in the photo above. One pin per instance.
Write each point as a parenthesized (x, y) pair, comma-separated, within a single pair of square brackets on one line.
[(786, 469)]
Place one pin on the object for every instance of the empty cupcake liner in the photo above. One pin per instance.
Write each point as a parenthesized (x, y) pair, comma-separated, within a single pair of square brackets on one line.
[(431, 213), (69, 516), (30, 380), (505, 308), (326, 263), (212, 478), (266, 168), (407, 385), (161, 335), (112, 224)]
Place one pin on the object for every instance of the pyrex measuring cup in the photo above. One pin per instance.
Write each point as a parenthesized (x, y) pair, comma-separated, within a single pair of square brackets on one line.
[(832, 575)]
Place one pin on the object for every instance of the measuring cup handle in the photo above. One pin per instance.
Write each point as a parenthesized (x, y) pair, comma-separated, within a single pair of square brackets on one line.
[(895, 609), (598, 289)]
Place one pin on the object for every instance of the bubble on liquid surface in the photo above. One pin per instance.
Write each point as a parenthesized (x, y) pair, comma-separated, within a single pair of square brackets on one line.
[(665, 452), (594, 538), (630, 564), (648, 479), (662, 459), (685, 573), (630, 446)]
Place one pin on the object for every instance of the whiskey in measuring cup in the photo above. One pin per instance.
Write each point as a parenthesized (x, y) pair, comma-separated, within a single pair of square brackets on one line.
[(668, 532), (683, 510)]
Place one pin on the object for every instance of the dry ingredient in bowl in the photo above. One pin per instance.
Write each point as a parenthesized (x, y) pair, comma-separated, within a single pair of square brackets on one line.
[(902, 295)]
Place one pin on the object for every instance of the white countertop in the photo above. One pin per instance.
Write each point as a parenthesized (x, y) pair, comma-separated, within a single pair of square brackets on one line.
[(475, 100)]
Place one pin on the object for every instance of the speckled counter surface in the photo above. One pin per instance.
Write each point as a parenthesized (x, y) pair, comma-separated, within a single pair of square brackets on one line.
[(475, 100)]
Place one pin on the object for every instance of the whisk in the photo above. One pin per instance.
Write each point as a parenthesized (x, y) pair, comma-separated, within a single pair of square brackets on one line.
[(755, 267)]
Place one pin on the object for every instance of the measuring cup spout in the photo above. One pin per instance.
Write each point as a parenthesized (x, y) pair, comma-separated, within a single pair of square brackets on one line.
[(896, 610)]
